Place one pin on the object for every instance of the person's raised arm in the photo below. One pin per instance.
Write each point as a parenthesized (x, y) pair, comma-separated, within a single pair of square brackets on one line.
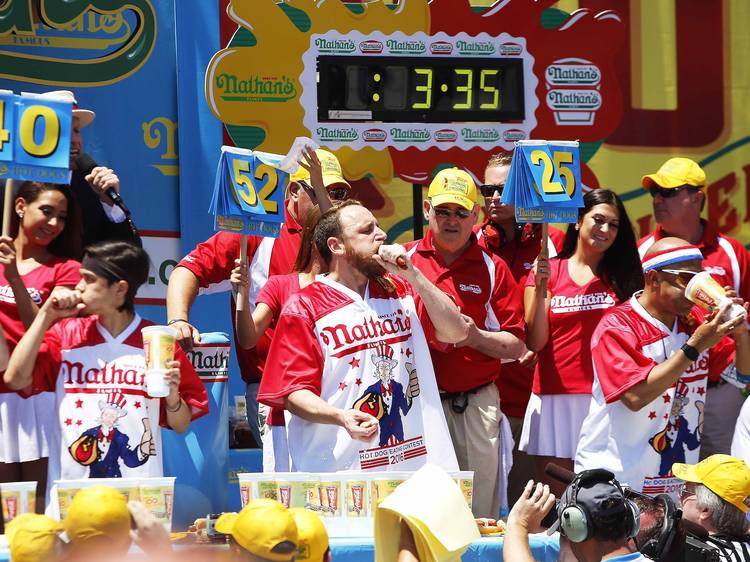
[(536, 306), (525, 517), (62, 303), (444, 314), (181, 292), (26, 307)]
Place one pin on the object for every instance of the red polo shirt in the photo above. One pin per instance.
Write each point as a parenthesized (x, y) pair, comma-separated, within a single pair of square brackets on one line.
[(212, 262), (482, 286), (519, 254)]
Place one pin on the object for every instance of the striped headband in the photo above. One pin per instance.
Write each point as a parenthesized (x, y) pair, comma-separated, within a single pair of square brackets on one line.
[(671, 256)]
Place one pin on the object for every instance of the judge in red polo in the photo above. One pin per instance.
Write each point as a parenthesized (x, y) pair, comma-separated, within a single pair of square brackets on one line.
[(482, 286)]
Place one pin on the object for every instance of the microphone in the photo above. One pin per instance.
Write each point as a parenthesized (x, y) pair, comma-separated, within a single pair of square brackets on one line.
[(85, 164), (559, 473)]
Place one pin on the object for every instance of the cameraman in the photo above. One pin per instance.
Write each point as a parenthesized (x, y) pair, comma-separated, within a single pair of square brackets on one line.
[(716, 496), (595, 520)]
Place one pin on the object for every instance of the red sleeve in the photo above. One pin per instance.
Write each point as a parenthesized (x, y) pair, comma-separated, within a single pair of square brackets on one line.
[(192, 390), (506, 305), (68, 273), (212, 261), (47, 364), (618, 362), (744, 264), (295, 360), (270, 295)]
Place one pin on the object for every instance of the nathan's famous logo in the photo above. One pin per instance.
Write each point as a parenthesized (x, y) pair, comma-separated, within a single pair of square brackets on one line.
[(255, 88), (370, 329), (574, 99), (371, 46), (229, 223), (397, 47), (374, 135), (513, 135), (121, 40), (475, 47), (445, 135), (409, 135), (510, 49), (480, 135), (573, 75), (334, 46), (337, 134), (441, 48)]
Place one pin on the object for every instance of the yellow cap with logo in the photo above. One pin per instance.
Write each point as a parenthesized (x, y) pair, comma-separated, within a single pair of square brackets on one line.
[(330, 167), (312, 536), (264, 528), (676, 172), (453, 186), (33, 538), (727, 477)]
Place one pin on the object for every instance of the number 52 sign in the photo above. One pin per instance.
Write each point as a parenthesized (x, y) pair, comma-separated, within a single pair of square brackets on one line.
[(544, 181), (248, 195), (34, 138)]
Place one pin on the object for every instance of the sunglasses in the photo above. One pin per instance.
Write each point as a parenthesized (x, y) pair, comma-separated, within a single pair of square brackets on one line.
[(447, 213), (684, 275), (684, 493), (335, 193), (489, 189), (669, 193)]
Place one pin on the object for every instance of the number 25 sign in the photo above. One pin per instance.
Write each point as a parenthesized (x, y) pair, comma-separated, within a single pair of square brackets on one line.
[(34, 138), (248, 195), (544, 182)]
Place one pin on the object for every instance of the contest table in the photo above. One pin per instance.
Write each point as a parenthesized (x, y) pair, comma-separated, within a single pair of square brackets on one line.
[(543, 548)]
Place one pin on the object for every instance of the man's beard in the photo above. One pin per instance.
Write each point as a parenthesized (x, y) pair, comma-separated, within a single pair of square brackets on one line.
[(367, 266)]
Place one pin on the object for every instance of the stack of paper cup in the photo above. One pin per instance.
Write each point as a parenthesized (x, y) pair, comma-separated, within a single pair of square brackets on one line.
[(17, 498), (158, 344), (706, 292)]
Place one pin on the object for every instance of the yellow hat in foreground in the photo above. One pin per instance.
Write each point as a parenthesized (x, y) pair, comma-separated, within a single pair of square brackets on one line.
[(676, 172), (33, 538), (453, 186), (98, 511), (727, 477), (264, 528), (312, 536), (330, 167)]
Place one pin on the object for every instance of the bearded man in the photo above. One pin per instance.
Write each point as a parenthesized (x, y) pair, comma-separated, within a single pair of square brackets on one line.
[(320, 365)]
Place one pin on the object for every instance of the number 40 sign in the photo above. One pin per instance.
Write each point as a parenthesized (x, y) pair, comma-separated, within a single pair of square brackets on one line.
[(544, 181), (34, 138)]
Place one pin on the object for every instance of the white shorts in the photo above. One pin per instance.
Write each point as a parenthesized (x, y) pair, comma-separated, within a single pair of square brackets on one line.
[(552, 424), (25, 426)]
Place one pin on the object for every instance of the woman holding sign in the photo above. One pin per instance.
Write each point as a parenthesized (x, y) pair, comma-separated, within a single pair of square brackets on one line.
[(597, 268), (39, 255)]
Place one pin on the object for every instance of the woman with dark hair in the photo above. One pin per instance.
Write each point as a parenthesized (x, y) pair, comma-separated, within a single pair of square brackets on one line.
[(39, 255), (597, 268)]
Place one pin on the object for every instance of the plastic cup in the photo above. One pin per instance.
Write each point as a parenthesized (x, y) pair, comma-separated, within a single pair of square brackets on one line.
[(17, 498), (331, 495), (465, 481), (248, 486), (158, 345), (706, 292), (157, 494), (357, 494), (296, 489)]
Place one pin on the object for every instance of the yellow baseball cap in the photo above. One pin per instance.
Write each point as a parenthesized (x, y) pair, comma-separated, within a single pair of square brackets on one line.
[(676, 172), (98, 511), (727, 477), (330, 167), (33, 538), (453, 186), (312, 536), (264, 528)]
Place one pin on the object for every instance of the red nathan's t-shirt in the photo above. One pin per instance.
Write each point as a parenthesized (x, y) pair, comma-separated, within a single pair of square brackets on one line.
[(564, 365), (274, 295), (39, 283), (212, 262), (482, 286)]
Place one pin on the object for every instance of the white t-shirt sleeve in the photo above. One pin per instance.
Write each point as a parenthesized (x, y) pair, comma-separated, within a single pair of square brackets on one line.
[(113, 212)]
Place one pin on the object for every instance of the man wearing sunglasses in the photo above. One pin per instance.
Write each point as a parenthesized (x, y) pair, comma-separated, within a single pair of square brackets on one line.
[(679, 195), (484, 289), (650, 372), (518, 244), (210, 264)]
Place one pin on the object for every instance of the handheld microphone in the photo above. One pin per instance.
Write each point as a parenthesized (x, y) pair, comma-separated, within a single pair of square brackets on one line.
[(562, 475), (85, 164)]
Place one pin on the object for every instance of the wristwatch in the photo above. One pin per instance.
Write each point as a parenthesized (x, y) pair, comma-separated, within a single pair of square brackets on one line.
[(690, 352)]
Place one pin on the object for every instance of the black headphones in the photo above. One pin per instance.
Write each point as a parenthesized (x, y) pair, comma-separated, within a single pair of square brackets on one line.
[(575, 521)]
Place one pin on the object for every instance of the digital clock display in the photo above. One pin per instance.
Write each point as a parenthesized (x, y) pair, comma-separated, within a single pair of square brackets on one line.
[(396, 89)]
